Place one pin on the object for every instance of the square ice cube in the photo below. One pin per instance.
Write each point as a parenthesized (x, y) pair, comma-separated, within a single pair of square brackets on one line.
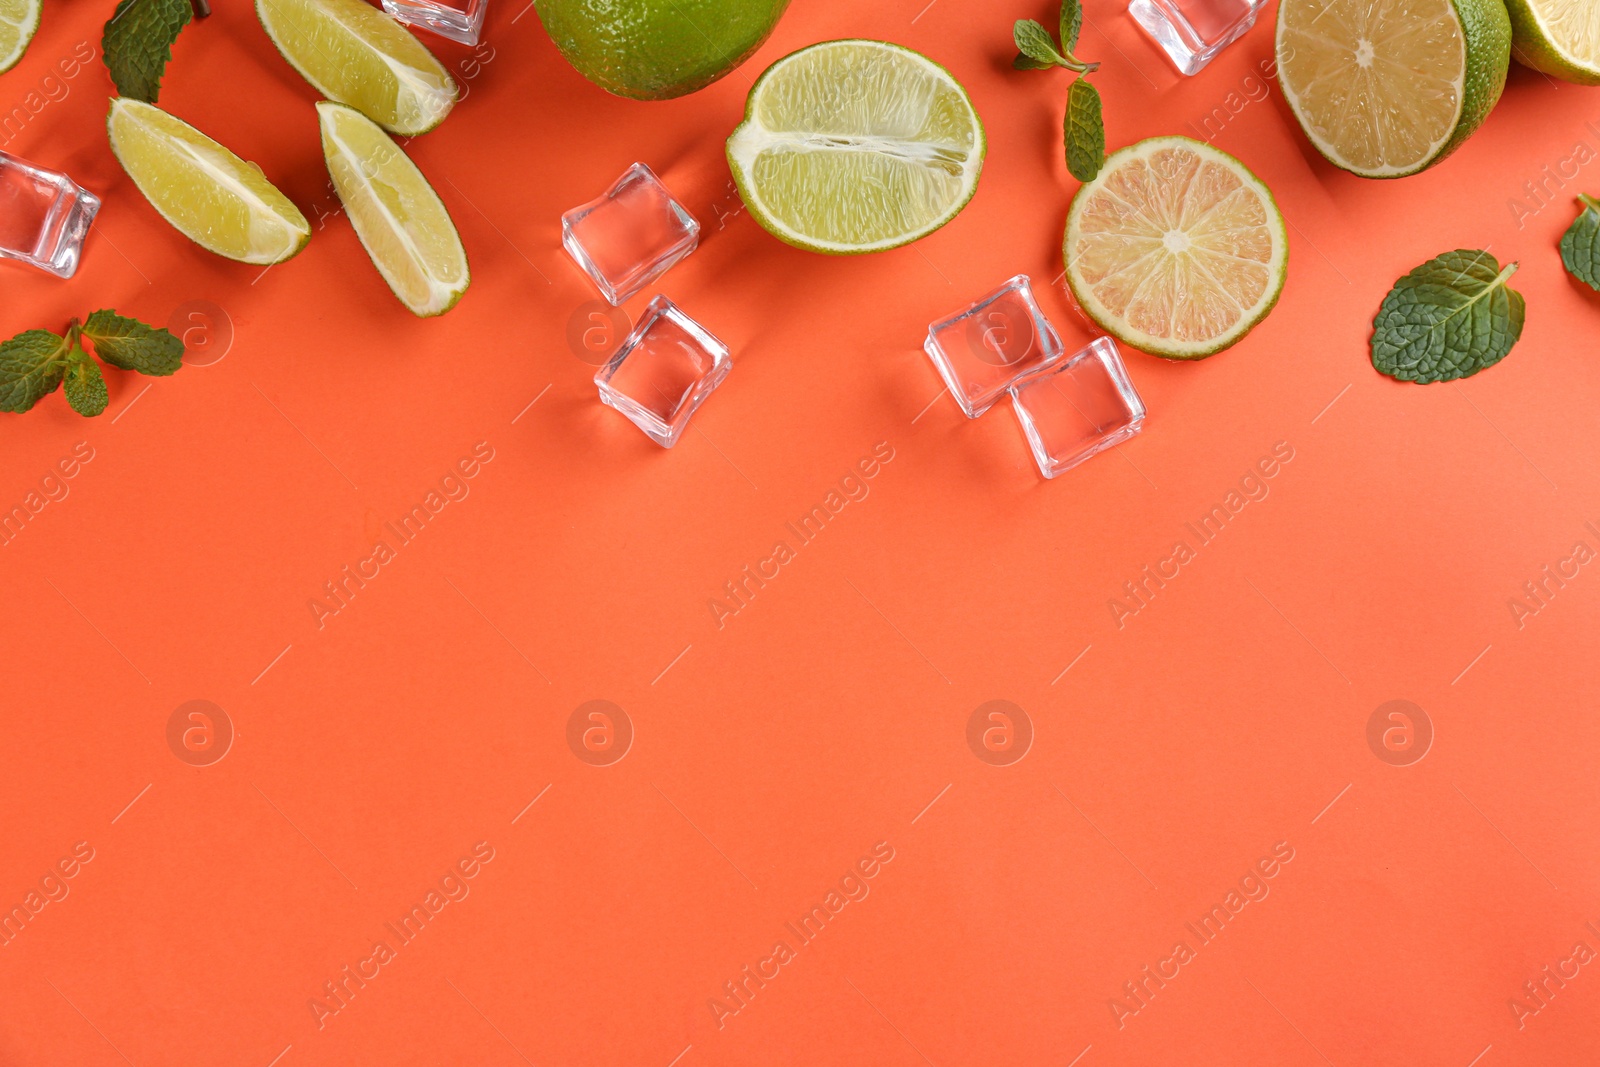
[(664, 370), (459, 20), (631, 235), (981, 351), (1083, 406), (44, 216), (1193, 32)]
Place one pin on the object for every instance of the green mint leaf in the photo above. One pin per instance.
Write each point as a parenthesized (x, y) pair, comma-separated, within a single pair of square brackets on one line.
[(138, 43), (85, 386), (1023, 61), (131, 345), (1450, 318), (31, 365), (1071, 24), (1034, 41), (1580, 245), (1084, 132)]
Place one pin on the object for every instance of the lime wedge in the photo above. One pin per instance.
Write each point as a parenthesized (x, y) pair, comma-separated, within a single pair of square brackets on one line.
[(1559, 37), (1175, 248), (401, 221), (353, 53), (214, 198), (19, 19), (1386, 88), (856, 146)]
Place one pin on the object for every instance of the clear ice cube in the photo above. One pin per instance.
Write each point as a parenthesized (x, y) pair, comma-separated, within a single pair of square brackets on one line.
[(984, 349), (1083, 406), (664, 370), (631, 235), (1193, 32), (44, 216), (459, 20)]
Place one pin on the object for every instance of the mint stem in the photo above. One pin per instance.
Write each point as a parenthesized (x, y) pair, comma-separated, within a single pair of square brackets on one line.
[(1589, 202)]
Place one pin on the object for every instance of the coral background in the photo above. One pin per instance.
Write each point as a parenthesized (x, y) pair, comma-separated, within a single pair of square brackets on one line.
[(1173, 748)]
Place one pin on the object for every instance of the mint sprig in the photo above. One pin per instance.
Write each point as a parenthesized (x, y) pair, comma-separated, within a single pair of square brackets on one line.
[(1580, 245), (137, 44), (1449, 318), (36, 363), (1083, 130)]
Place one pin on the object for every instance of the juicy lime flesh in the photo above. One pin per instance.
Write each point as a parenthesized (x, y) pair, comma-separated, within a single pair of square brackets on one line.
[(399, 218), (854, 145), (216, 199), (1378, 83), (1177, 245), (18, 21), (1573, 27), (355, 54)]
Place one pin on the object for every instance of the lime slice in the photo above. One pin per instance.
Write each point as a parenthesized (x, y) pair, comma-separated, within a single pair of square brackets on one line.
[(400, 219), (1385, 88), (214, 198), (1176, 248), (355, 54), (18, 21), (1559, 37), (856, 146)]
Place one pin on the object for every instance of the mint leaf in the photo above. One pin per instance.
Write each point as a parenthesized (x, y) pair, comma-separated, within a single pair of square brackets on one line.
[(86, 388), (1450, 318), (1034, 41), (1023, 61), (138, 43), (1084, 131), (131, 345), (1071, 24), (1580, 245), (31, 365)]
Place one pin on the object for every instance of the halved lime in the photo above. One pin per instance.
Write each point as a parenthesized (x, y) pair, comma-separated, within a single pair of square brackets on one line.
[(401, 221), (354, 54), (1175, 248), (856, 146), (19, 20), (1559, 37), (1385, 88), (214, 198)]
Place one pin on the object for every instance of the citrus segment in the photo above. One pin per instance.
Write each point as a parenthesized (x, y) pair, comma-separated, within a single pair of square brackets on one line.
[(856, 146), (1175, 248)]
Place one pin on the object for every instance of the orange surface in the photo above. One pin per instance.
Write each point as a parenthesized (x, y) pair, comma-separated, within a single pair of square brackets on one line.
[(1174, 748)]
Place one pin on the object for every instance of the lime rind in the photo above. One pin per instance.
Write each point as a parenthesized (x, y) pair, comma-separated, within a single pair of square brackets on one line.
[(398, 217), (1117, 325), (220, 202), (844, 179)]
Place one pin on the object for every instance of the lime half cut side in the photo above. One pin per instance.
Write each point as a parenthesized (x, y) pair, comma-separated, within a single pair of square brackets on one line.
[(1386, 88), (401, 221), (353, 53), (1175, 248), (856, 146), (19, 21), (1559, 37), (214, 198)]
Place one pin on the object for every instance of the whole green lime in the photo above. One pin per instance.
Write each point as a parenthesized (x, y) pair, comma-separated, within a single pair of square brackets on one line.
[(657, 49)]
